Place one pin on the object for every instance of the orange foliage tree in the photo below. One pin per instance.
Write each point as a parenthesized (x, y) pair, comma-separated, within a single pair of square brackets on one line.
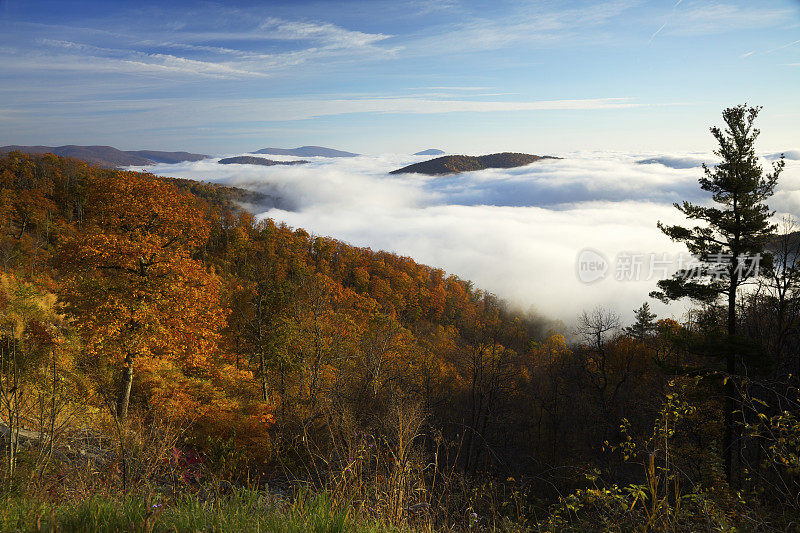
[(135, 284)]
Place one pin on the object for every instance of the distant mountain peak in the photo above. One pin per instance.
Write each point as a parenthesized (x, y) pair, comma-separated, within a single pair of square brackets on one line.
[(455, 164), (431, 151), (306, 151)]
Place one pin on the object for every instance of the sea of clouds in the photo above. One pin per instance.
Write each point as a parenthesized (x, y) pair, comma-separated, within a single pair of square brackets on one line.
[(515, 232)]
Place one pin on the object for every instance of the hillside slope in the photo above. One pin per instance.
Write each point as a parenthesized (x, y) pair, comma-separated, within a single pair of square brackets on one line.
[(220, 286)]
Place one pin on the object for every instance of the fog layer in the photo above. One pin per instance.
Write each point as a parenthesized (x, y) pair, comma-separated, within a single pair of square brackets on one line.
[(515, 232)]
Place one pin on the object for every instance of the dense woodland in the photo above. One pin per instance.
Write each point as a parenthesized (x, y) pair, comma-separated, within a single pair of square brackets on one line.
[(160, 348)]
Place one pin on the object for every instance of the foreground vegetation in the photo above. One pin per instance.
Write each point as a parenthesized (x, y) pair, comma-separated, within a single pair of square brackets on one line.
[(242, 510), (170, 363)]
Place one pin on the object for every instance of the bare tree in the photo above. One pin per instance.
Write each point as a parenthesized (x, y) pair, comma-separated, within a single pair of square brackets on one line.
[(783, 289), (596, 325)]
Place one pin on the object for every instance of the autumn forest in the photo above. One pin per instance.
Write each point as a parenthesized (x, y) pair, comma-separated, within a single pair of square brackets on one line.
[(170, 362)]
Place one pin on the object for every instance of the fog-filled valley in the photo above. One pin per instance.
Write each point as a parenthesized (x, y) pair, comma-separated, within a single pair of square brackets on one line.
[(516, 232)]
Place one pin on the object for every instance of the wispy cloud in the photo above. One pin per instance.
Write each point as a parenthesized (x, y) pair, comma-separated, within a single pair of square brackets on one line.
[(451, 88), (133, 60), (192, 52), (166, 62), (769, 51), (194, 113), (329, 34), (781, 47), (426, 7), (718, 17), (529, 24), (656, 33)]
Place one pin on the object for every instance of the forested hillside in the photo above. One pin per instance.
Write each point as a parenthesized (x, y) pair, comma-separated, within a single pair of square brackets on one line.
[(158, 343)]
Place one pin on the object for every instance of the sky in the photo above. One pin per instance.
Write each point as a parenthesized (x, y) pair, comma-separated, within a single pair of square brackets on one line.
[(396, 76)]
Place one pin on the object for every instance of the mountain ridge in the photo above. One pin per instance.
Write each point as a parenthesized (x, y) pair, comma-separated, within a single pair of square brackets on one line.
[(455, 164), (158, 156), (106, 156), (250, 160), (306, 151)]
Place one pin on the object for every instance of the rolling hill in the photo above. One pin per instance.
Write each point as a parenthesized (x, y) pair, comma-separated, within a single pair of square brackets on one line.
[(306, 151), (455, 164)]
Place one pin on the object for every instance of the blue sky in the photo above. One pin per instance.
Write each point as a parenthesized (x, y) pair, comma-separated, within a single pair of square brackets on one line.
[(396, 76)]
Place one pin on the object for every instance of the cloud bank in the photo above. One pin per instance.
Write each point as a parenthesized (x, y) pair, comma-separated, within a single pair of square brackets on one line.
[(515, 232)]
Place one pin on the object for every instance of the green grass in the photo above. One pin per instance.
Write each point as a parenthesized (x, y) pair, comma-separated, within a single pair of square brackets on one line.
[(243, 510)]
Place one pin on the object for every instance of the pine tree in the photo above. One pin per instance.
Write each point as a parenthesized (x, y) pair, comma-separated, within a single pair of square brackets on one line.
[(729, 244), (645, 323)]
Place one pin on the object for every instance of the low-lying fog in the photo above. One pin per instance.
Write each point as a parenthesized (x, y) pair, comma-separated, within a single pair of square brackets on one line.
[(515, 232)]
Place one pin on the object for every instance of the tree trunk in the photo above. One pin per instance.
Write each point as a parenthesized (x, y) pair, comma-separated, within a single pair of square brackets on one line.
[(730, 443), (125, 390), (52, 410), (262, 370), (13, 434)]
